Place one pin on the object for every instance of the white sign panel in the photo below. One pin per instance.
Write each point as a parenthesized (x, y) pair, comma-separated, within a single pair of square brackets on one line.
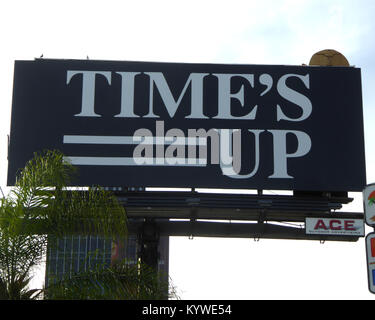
[(370, 250), (369, 204), (335, 226)]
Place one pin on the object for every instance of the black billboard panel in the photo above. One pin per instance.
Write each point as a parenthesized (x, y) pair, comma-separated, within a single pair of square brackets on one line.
[(192, 125)]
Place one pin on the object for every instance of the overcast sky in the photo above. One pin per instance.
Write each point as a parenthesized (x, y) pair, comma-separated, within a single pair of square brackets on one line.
[(249, 32)]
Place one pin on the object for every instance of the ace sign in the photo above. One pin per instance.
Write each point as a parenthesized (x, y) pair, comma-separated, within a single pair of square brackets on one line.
[(192, 125), (335, 226)]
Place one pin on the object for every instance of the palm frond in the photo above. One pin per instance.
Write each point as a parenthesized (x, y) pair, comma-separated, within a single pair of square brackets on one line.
[(39, 205)]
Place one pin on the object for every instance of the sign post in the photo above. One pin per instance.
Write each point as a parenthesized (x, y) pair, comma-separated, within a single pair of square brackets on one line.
[(369, 208)]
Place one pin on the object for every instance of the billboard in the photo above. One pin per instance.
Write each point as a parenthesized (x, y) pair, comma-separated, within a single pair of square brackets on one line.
[(192, 125)]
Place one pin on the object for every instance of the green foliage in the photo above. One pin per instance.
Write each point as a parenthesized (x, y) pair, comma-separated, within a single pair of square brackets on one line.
[(40, 204), (42, 207), (44, 204), (121, 281), (19, 253), (17, 289)]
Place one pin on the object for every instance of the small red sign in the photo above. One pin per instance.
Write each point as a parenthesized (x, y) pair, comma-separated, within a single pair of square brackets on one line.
[(373, 247)]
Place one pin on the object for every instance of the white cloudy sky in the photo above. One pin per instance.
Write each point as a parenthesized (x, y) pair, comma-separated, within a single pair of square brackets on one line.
[(253, 32)]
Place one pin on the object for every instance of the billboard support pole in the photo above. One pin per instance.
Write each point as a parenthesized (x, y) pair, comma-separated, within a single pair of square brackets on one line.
[(148, 240)]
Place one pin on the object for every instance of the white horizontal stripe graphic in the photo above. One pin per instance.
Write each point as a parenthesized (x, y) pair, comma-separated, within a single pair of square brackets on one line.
[(81, 139), (128, 161)]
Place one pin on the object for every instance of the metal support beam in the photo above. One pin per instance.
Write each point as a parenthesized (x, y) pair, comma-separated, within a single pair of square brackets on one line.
[(262, 216), (179, 205), (236, 230)]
